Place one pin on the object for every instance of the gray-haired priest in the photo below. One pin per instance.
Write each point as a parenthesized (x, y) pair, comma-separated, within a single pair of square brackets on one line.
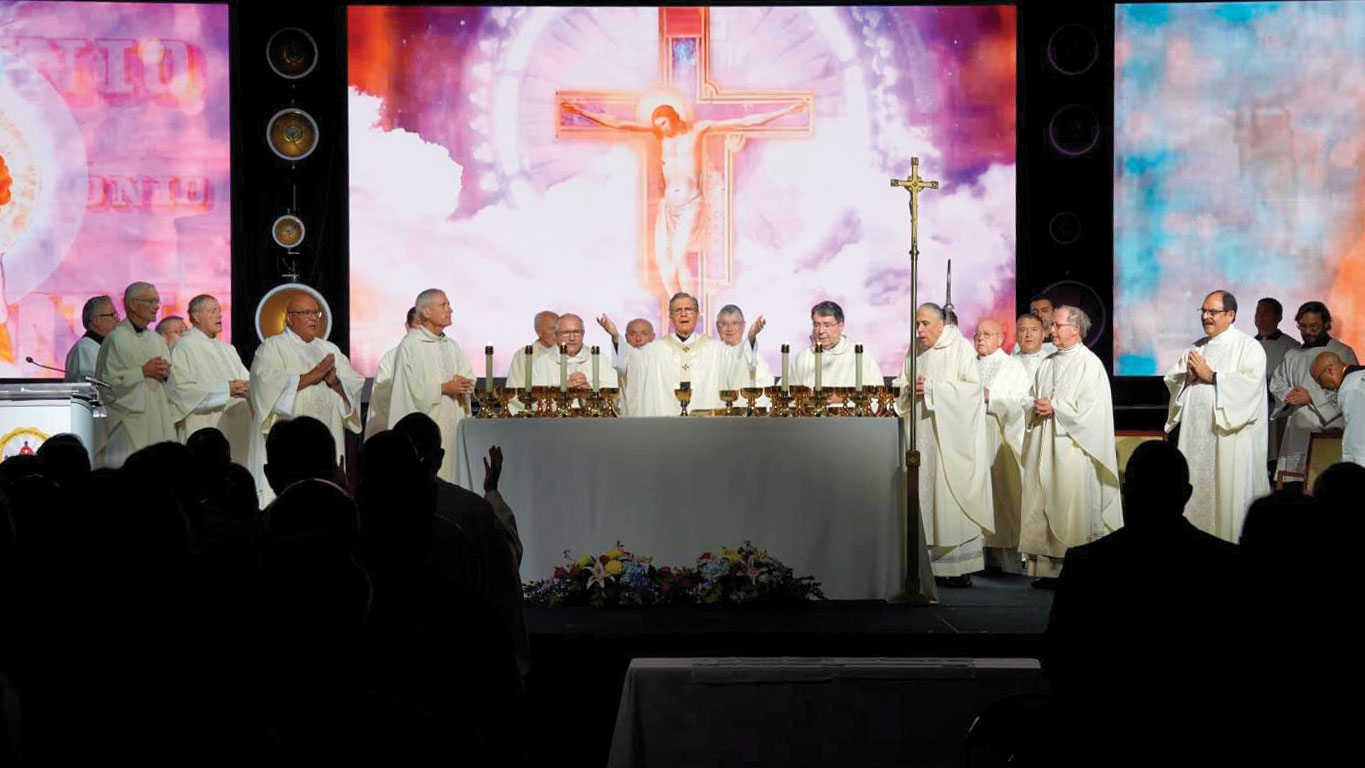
[(431, 375), (655, 370), (99, 318), (577, 360), (135, 361), (950, 425), (208, 381), (299, 373), (1071, 469), (1218, 398), (1005, 383), (838, 358)]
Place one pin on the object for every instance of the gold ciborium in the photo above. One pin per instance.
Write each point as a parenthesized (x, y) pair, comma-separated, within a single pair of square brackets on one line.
[(684, 395), (544, 399), (801, 400), (781, 401), (751, 394), (607, 397), (729, 396)]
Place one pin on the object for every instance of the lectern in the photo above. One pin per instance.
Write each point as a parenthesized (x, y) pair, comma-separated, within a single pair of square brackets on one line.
[(30, 413)]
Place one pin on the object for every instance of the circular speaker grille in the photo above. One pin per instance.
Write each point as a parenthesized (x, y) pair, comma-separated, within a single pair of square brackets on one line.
[(292, 134), (270, 312), (1074, 130), (288, 231), (1083, 297), (1065, 228), (1073, 49), (291, 53)]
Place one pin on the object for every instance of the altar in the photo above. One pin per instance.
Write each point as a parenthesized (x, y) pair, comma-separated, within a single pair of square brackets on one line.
[(826, 496)]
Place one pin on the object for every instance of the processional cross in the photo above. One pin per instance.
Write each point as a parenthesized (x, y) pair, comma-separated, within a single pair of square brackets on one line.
[(681, 227), (917, 585)]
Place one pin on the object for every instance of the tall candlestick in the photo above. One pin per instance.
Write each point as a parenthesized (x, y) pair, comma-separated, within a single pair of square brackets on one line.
[(563, 367), (488, 368), (858, 366), (596, 353), (786, 372), (819, 365), (529, 351)]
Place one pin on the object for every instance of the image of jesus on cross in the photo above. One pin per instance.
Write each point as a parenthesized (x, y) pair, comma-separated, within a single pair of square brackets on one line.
[(677, 227)]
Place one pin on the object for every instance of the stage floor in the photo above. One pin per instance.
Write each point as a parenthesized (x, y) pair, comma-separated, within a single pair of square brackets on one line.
[(581, 654)]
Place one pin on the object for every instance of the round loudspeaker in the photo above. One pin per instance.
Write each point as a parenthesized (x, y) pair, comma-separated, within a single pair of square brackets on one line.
[(288, 231), (1074, 130), (291, 53), (1073, 49), (292, 134), (271, 311), (1065, 228), (1084, 298)]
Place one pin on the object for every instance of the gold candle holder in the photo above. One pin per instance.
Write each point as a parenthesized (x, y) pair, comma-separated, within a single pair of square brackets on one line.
[(751, 394), (801, 401), (544, 398), (886, 402), (862, 403), (523, 397), (780, 402), (607, 396), (684, 395)]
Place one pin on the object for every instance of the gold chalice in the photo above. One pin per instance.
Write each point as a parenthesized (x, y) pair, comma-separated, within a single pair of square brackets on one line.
[(607, 396), (729, 396), (544, 398), (751, 394), (781, 401), (801, 397), (524, 399), (886, 401), (861, 402), (684, 395)]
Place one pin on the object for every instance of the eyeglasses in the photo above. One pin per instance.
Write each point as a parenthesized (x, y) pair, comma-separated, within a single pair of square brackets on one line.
[(569, 333), (1063, 325), (1211, 312), (156, 301), (107, 314), (315, 313), (682, 311)]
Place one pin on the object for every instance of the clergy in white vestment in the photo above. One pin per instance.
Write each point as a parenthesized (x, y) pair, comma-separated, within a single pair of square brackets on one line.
[(544, 344), (730, 325), (1218, 399), (1041, 308), (657, 369), (1070, 491), (377, 415), (1276, 343), (639, 332), (1348, 381), (208, 381), (135, 362), (577, 368), (1309, 408), (949, 417), (1031, 349), (1005, 385), (99, 317), (431, 375), (839, 363), (298, 373), (171, 328)]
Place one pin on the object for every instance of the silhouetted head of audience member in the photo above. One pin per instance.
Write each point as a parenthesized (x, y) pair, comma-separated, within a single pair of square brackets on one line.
[(396, 495), (65, 460), (18, 467), (314, 510), (210, 448), (1156, 486), (299, 449), (1340, 486), (239, 499), (317, 590), (425, 436)]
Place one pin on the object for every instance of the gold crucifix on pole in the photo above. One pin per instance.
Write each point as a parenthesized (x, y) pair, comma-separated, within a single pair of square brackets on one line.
[(919, 576)]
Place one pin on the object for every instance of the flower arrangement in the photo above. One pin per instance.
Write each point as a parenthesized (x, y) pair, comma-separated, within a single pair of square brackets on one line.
[(618, 577)]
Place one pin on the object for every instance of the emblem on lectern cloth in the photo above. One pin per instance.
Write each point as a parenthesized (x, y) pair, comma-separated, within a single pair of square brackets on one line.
[(23, 441)]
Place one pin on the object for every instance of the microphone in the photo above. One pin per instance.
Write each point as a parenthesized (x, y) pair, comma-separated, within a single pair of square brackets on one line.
[(30, 360), (96, 382)]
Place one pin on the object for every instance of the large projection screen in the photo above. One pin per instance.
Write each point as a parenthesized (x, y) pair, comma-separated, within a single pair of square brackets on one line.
[(114, 140), (1239, 130), (469, 174)]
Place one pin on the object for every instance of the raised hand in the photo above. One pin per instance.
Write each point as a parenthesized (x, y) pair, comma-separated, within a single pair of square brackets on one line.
[(608, 326), (492, 469), (756, 327)]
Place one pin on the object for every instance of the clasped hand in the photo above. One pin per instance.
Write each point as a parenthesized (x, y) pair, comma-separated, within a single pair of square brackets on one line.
[(1043, 407), (324, 371), (1298, 396), (238, 388), (158, 368), (459, 385), (1199, 368)]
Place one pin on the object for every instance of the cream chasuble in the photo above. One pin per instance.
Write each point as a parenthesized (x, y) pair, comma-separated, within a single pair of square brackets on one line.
[(275, 395), (424, 362), (1031, 361), (1070, 490), (201, 369), (1008, 385), (545, 371), (955, 469), (1222, 431), (838, 367), (516, 372), (141, 412), (655, 370), (1303, 420), (1351, 396), (80, 360), (377, 416)]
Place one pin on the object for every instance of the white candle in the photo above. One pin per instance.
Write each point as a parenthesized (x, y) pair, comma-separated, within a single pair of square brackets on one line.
[(488, 368), (819, 366), (595, 354), (786, 373), (563, 368), (528, 352), (858, 367)]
